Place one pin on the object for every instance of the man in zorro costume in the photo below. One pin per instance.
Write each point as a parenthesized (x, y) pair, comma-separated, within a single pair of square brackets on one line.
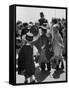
[(44, 40)]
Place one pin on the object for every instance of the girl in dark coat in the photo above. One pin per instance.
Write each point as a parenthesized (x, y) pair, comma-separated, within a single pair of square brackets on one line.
[(25, 61)]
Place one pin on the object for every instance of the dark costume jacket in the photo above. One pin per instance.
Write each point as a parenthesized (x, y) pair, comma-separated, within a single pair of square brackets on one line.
[(25, 61), (40, 42), (42, 20)]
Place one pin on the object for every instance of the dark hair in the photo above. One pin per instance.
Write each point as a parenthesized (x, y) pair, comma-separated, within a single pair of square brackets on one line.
[(18, 22), (30, 22), (34, 30), (54, 21), (25, 24), (41, 14)]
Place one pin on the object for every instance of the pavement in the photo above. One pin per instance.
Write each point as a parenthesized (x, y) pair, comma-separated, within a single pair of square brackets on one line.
[(42, 76)]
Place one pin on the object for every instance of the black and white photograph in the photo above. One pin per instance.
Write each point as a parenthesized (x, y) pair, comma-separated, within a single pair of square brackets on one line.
[(41, 44)]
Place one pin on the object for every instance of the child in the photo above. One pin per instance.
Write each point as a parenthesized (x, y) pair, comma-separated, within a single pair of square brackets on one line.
[(25, 61), (57, 42)]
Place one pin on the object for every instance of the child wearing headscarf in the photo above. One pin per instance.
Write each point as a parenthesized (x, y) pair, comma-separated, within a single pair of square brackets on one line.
[(57, 43)]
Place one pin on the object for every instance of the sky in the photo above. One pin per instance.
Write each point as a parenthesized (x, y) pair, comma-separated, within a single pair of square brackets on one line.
[(27, 14)]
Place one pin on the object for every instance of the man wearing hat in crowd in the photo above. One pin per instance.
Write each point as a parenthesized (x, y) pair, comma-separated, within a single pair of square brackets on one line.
[(42, 19), (25, 60)]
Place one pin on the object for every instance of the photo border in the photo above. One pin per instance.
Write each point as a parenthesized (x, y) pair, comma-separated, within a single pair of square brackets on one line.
[(51, 7)]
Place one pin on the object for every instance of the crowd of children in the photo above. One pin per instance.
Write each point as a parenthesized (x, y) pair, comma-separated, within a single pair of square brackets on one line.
[(41, 44)]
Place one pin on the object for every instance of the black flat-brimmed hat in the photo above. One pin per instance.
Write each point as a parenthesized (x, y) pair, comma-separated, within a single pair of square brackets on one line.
[(28, 37)]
